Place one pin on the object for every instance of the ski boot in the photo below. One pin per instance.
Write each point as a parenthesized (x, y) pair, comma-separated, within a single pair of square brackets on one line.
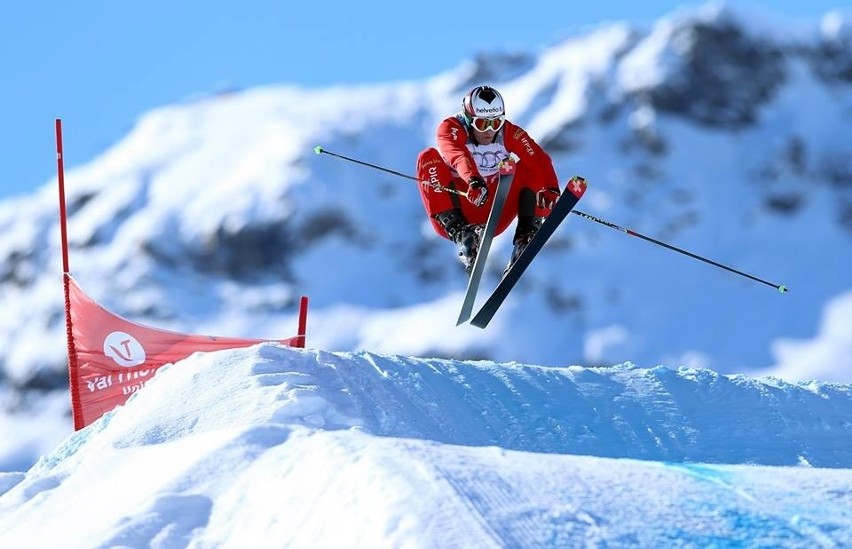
[(464, 234), (524, 233)]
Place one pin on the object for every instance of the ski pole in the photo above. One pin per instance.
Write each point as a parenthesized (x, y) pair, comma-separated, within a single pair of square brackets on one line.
[(436, 186), (778, 287), (781, 288)]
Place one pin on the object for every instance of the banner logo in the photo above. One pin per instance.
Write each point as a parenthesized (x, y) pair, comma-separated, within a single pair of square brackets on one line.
[(124, 349)]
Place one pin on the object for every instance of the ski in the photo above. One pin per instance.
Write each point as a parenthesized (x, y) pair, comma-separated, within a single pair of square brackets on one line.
[(570, 196), (507, 174)]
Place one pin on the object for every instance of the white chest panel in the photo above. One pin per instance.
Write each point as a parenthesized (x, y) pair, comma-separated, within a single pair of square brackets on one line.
[(488, 157)]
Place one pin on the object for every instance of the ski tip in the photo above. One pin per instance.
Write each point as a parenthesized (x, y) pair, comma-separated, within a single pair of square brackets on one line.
[(577, 186), (318, 149), (783, 289)]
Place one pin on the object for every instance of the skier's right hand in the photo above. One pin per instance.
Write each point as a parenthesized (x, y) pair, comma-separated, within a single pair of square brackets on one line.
[(477, 191)]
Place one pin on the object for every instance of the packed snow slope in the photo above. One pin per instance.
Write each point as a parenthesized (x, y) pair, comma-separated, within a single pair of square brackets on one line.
[(277, 447)]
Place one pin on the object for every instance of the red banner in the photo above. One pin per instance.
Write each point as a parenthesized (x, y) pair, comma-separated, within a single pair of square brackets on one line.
[(110, 358)]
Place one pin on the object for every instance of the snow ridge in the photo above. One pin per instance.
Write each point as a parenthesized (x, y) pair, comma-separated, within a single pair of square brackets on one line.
[(622, 411), (289, 447)]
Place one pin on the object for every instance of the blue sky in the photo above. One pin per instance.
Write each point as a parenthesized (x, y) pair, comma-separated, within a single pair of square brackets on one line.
[(99, 64)]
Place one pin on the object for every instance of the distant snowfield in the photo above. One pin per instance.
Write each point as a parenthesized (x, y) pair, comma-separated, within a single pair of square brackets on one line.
[(828, 354), (273, 446)]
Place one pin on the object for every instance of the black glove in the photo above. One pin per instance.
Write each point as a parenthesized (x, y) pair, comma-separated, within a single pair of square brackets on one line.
[(546, 198), (477, 192)]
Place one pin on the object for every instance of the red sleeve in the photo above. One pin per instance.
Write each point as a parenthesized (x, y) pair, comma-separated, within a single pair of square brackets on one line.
[(533, 157), (452, 144)]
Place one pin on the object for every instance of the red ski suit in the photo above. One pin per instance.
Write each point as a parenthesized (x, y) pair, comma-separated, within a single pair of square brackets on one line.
[(459, 157)]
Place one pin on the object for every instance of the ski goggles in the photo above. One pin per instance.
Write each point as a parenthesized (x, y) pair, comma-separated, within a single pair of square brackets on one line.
[(484, 124)]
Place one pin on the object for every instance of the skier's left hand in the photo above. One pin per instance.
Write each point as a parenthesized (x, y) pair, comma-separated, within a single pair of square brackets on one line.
[(546, 198)]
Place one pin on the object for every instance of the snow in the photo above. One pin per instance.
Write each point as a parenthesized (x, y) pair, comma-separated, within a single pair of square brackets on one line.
[(836, 26), (825, 354), (273, 446), (709, 455)]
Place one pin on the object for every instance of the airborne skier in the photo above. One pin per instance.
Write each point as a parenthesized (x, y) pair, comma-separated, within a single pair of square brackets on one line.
[(470, 147), (493, 162)]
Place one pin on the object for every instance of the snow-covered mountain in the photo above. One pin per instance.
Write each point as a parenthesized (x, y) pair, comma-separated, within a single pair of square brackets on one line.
[(721, 131), (279, 447)]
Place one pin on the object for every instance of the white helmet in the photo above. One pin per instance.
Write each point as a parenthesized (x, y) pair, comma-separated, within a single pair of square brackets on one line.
[(483, 102)]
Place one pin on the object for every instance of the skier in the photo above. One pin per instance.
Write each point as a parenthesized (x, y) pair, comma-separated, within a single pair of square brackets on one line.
[(470, 147)]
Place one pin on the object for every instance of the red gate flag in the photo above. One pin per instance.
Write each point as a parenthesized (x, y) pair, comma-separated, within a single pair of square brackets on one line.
[(110, 358)]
